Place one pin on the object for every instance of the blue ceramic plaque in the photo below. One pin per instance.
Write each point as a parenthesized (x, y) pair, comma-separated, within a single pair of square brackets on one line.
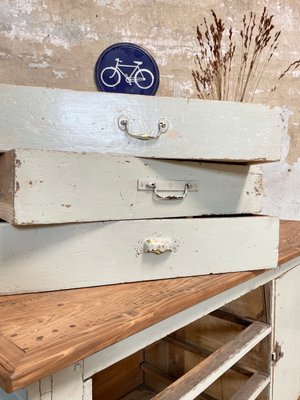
[(127, 68)]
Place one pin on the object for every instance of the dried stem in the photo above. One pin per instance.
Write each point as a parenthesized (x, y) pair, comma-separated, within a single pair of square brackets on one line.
[(217, 58)]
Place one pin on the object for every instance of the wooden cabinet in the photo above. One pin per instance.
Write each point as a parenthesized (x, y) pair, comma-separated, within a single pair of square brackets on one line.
[(154, 358)]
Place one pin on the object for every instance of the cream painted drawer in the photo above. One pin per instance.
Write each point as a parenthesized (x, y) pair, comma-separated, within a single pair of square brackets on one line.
[(81, 255), (44, 187), (56, 119)]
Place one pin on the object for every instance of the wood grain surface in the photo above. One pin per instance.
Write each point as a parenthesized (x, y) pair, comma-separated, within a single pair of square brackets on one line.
[(289, 245), (42, 333)]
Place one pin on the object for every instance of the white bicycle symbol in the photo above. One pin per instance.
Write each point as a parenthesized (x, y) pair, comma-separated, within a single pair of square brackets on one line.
[(142, 77)]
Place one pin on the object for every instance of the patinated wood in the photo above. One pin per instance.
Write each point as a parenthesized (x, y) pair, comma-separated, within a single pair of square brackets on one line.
[(48, 187), (195, 381), (83, 255), (254, 386), (83, 121), (289, 246)]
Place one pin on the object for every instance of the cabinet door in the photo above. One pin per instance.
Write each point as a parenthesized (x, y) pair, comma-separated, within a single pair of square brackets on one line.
[(286, 372)]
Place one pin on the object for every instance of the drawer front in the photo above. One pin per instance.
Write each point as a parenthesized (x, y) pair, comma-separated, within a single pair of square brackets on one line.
[(43, 187), (145, 126), (82, 255)]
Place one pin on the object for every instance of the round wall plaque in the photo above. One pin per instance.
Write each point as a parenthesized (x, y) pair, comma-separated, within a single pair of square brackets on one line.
[(127, 68)]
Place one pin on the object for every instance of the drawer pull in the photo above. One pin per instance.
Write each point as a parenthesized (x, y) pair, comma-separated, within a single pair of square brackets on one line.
[(162, 128), (169, 197), (159, 245)]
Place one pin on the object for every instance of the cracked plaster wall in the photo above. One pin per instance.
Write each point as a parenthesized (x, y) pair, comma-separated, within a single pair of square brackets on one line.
[(56, 43)]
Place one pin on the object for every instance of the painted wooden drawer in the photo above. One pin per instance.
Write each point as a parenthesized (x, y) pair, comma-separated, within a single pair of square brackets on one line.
[(47, 187), (81, 255), (144, 126), (179, 368)]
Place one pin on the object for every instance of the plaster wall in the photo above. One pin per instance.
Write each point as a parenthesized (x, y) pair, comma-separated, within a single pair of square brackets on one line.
[(55, 43)]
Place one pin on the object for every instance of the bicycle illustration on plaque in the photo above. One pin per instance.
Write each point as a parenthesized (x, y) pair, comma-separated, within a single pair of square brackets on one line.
[(127, 68)]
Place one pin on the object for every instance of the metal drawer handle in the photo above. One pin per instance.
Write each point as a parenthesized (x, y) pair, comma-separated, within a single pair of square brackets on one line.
[(169, 197), (162, 128)]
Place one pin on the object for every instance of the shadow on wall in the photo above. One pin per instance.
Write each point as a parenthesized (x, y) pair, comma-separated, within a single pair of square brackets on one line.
[(19, 395), (281, 196)]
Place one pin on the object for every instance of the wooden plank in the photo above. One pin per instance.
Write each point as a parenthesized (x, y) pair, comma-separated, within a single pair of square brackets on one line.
[(82, 255), (211, 333), (83, 121), (143, 392), (253, 388), (289, 241), (201, 352), (203, 375), (157, 374), (231, 317), (118, 380), (51, 187), (11, 354)]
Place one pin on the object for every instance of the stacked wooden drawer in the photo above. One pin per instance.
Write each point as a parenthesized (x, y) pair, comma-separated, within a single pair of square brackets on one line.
[(129, 165)]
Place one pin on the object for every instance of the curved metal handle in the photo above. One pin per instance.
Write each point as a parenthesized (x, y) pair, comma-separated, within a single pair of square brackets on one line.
[(162, 128), (169, 197)]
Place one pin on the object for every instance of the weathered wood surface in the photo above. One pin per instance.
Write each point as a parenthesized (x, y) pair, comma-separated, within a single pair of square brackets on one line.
[(55, 119), (253, 388), (199, 378), (57, 329), (46, 187), (82, 255), (118, 380), (289, 247)]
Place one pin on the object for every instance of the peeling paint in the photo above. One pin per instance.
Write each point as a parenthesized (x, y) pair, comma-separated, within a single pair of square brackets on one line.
[(43, 64), (281, 195), (59, 74)]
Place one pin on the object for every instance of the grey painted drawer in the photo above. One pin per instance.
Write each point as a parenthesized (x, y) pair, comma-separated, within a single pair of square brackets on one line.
[(43, 187), (56, 119), (81, 255)]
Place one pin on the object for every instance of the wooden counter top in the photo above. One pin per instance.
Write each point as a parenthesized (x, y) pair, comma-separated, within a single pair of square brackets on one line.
[(43, 332)]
